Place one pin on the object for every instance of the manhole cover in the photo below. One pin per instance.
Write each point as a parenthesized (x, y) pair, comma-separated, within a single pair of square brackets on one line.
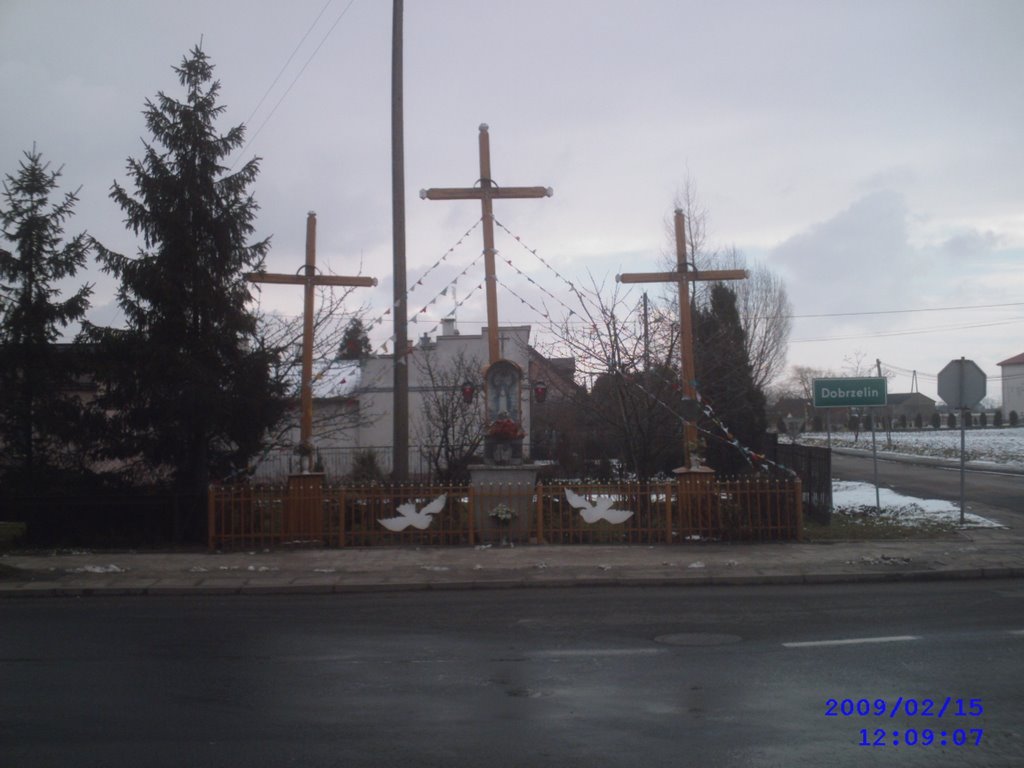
[(697, 638)]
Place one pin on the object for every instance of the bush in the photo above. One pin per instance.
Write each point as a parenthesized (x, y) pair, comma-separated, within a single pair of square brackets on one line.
[(366, 468), (982, 419), (997, 418), (936, 420), (1014, 418), (919, 421), (951, 421)]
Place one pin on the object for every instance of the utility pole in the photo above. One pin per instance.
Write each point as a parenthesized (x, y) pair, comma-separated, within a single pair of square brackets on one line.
[(400, 409), (647, 338)]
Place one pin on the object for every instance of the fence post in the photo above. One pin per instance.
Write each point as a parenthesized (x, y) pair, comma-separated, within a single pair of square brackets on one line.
[(540, 512), (210, 518), (798, 489), (341, 516), (472, 513)]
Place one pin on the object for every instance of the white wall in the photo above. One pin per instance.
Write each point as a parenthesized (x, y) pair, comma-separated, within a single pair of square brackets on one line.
[(1013, 389), (377, 379)]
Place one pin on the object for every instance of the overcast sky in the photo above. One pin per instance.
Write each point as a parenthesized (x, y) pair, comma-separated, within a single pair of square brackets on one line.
[(868, 152)]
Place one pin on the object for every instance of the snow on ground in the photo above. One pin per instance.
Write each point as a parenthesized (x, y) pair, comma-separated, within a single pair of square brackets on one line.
[(1003, 446), (902, 510)]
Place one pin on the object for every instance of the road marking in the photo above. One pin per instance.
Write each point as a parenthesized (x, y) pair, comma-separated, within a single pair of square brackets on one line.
[(602, 652), (853, 641), (1017, 631)]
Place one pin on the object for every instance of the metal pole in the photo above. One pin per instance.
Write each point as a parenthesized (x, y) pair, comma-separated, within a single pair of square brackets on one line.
[(400, 410), (874, 457), (963, 440), (647, 338), (306, 420)]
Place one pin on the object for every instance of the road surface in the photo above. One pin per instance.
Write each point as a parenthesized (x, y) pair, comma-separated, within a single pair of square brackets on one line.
[(998, 490), (728, 676)]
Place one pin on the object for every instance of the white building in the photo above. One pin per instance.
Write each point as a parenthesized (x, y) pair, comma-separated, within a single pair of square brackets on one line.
[(445, 362), (353, 409), (1013, 385)]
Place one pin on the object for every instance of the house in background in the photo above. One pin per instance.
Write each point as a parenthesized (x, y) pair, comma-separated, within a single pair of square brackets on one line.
[(1013, 384), (909, 405)]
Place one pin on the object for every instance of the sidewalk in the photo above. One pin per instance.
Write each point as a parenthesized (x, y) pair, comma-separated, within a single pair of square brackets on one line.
[(968, 554)]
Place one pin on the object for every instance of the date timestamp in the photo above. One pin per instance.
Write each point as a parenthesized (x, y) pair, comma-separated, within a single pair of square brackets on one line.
[(923, 737)]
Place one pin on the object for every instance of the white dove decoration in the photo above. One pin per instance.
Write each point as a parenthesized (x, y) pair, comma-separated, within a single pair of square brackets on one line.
[(600, 509), (409, 515)]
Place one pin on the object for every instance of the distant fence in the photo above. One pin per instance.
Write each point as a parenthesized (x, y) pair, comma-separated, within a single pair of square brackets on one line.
[(339, 463), (127, 518), (694, 509)]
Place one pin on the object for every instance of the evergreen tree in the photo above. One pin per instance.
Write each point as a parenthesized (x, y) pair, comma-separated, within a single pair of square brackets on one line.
[(725, 380), (188, 381), (355, 343), (38, 413)]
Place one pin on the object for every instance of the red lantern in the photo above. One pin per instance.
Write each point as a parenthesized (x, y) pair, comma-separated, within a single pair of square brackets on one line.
[(540, 391), (468, 391)]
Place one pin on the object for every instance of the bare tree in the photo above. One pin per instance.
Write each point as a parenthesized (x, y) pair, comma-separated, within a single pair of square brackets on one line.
[(764, 306), (766, 316), (451, 430), (630, 413), (284, 333)]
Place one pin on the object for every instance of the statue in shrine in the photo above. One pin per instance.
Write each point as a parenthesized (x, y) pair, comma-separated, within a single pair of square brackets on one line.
[(503, 439)]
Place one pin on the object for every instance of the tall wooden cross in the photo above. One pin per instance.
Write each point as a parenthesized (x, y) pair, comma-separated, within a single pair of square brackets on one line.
[(309, 279), (683, 276), (485, 193)]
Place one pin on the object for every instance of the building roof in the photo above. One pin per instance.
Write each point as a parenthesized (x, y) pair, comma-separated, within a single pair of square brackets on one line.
[(1016, 360), (896, 398)]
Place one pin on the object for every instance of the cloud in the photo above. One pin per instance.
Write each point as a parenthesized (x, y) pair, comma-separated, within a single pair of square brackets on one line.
[(861, 251)]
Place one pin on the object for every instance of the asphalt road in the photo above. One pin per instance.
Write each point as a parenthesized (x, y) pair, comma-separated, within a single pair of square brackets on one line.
[(994, 489), (584, 677)]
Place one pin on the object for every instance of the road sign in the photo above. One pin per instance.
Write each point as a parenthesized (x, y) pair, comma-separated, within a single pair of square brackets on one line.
[(843, 393), (962, 384)]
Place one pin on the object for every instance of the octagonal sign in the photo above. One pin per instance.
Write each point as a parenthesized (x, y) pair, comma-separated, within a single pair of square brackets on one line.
[(962, 384)]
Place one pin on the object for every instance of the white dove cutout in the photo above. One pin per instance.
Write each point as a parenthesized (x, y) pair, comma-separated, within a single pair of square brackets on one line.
[(409, 515), (600, 509)]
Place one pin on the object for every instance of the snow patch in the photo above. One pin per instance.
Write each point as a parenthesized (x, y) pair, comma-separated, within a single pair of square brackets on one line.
[(98, 569)]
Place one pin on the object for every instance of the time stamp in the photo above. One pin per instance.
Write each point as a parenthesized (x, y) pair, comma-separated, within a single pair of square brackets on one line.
[(959, 711)]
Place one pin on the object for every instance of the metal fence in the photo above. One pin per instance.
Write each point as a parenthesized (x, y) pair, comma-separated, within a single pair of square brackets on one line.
[(814, 466), (692, 509), (339, 464)]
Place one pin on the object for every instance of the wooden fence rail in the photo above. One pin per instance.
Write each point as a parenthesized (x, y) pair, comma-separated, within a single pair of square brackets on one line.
[(687, 510)]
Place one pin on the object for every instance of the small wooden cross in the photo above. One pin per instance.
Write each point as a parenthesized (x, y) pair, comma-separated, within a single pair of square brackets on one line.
[(683, 276), (485, 193), (309, 279)]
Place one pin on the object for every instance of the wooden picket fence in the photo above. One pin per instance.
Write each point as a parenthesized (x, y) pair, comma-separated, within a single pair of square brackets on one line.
[(678, 511)]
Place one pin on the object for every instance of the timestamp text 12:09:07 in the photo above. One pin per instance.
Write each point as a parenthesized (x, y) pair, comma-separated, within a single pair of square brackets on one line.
[(925, 737)]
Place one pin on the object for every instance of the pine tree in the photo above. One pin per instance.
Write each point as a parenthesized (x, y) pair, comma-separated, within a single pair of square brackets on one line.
[(725, 380), (188, 381), (355, 343), (37, 411)]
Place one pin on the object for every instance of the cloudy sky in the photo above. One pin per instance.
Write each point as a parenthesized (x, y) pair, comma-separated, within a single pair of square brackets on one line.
[(868, 152)]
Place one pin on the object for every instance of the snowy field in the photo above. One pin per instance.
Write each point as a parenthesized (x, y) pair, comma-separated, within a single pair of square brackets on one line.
[(1003, 446)]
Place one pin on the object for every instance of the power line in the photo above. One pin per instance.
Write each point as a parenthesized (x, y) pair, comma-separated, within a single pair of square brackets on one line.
[(905, 311), (934, 329), (291, 85)]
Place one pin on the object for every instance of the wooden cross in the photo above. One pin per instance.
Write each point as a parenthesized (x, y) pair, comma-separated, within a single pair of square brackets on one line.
[(683, 276), (485, 193), (309, 279)]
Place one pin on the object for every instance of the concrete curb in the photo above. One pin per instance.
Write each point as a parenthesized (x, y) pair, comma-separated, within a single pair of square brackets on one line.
[(37, 590)]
